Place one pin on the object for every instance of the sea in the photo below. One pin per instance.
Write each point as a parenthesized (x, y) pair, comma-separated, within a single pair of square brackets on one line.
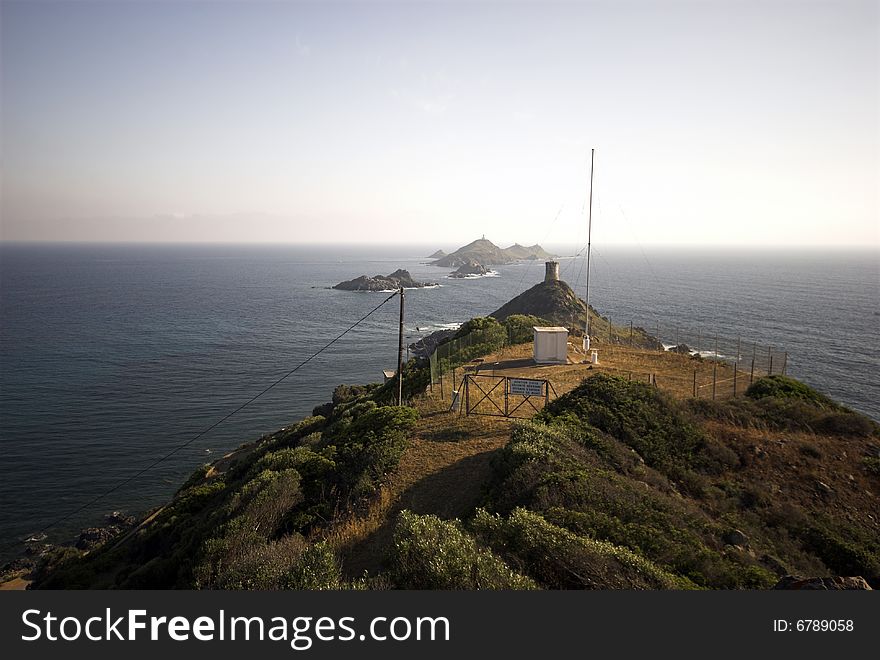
[(113, 355)]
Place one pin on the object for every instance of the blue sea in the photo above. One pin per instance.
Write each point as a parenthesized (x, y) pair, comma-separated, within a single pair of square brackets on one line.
[(112, 355)]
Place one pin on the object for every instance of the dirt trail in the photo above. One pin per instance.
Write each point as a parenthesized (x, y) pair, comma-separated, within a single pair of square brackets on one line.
[(443, 472)]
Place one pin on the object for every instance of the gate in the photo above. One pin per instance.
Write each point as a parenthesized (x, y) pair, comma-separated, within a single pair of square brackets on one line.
[(505, 396)]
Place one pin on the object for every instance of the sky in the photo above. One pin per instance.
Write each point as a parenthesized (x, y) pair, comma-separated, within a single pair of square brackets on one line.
[(714, 122)]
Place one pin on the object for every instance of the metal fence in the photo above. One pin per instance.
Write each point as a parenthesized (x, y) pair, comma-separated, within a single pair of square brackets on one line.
[(448, 360), (723, 366)]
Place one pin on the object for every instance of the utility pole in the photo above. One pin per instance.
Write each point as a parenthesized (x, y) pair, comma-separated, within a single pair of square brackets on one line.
[(400, 355)]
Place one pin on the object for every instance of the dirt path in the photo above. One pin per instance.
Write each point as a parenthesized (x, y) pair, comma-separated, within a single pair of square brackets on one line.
[(443, 472)]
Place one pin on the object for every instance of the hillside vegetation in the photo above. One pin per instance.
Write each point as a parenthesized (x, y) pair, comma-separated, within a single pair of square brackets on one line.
[(613, 485)]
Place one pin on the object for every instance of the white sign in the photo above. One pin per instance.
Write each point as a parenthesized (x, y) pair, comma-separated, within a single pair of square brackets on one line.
[(526, 387)]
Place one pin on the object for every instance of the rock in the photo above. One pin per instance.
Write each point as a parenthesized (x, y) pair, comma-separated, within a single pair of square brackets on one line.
[(399, 278), (824, 488), (823, 584), (119, 519), (426, 345), (736, 537), (684, 349), (439, 254), (469, 269), (554, 301), (92, 537)]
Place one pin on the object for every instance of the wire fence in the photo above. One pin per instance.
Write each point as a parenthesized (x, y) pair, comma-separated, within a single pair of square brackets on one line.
[(450, 357), (719, 366)]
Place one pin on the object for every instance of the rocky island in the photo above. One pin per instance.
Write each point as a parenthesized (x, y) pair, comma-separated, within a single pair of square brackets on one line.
[(487, 253), (469, 269), (399, 278)]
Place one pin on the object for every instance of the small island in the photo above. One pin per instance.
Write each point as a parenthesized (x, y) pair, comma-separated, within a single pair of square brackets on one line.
[(399, 278), (469, 269), (487, 253)]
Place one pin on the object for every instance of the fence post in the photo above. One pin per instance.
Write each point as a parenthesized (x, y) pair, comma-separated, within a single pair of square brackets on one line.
[(770, 359), (467, 394), (506, 396), (714, 373), (784, 362), (738, 347), (771, 366), (695, 383), (453, 378), (752, 373), (734, 379)]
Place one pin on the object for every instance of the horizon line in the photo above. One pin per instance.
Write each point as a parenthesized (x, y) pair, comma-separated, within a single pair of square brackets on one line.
[(434, 244)]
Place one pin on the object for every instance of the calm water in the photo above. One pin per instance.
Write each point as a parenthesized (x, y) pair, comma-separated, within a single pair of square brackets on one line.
[(112, 355)]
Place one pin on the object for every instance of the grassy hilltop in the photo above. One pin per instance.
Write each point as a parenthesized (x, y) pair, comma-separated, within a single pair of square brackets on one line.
[(614, 484)]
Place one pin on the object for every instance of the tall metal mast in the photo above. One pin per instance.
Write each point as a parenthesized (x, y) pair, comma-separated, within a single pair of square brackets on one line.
[(589, 241), (400, 353)]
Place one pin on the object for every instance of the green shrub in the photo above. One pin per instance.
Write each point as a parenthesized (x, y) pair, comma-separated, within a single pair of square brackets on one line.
[(843, 553), (257, 566), (559, 559), (519, 327), (784, 387), (635, 413), (315, 568), (430, 553), (845, 423)]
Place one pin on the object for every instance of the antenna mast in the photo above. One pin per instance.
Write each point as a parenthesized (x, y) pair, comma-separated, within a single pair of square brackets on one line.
[(589, 241)]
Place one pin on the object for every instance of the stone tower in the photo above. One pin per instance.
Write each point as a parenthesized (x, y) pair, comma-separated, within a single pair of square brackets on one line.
[(552, 271)]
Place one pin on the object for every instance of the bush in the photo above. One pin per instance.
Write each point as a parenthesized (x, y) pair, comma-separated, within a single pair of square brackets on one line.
[(519, 327), (783, 387), (430, 553), (845, 423), (256, 566), (559, 559), (315, 568), (845, 556), (635, 413)]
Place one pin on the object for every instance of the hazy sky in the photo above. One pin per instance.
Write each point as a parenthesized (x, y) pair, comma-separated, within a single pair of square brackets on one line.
[(714, 122)]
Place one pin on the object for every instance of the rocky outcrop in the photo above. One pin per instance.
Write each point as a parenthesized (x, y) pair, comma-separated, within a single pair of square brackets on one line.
[(554, 301), (93, 537), (469, 269), (426, 345), (439, 254), (823, 584), (488, 254), (399, 278)]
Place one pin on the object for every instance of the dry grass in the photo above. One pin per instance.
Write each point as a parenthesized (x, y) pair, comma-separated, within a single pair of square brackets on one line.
[(441, 472), (671, 372)]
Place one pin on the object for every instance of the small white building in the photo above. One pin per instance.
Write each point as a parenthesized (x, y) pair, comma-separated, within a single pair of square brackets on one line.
[(551, 345)]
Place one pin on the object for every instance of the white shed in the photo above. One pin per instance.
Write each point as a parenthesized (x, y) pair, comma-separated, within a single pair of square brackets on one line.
[(551, 345)]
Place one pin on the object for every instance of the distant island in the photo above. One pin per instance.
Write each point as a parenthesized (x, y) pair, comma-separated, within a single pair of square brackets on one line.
[(437, 255), (486, 253), (399, 278)]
